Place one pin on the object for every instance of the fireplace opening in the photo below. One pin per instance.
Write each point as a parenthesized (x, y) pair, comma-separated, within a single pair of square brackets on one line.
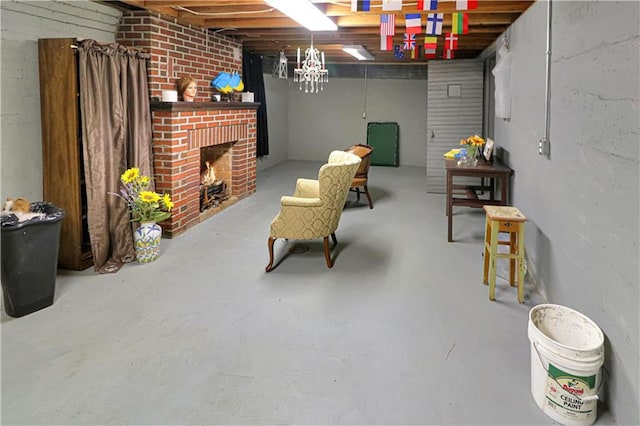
[(215, 175)]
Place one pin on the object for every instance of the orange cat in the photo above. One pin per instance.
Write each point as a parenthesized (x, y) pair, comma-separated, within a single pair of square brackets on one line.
[(19, 205)]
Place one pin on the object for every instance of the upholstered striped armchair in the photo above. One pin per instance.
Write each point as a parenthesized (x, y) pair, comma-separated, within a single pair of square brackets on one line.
[(314, 209)]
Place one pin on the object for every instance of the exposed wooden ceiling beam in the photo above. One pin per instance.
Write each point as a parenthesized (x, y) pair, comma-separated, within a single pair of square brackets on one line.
[(265, 30)]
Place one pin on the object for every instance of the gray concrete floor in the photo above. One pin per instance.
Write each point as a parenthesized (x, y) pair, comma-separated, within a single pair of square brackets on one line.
[(400, 331)]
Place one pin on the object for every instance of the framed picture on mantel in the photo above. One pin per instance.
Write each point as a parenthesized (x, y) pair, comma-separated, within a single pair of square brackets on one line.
[(488, 149)]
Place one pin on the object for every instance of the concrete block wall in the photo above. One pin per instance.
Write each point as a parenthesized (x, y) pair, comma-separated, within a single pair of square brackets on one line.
[(23, 23), (337, 117), (582, 201)]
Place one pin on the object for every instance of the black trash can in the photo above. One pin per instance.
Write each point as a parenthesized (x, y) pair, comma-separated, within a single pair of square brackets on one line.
[(30, 259)]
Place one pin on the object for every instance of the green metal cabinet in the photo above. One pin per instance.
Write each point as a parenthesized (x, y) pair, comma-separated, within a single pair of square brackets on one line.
[(384, 138)]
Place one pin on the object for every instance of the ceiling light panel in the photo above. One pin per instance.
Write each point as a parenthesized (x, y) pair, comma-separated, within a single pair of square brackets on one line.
[(359, 52), (304, 13)]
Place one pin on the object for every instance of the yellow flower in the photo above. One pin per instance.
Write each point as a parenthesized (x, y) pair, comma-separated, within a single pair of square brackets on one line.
[(166, 200), (145, 205), (130, 175), (474, 140), (149, 197)]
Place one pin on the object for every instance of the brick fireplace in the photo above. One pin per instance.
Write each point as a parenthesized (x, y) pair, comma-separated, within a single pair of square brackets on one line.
[(180, 132), (182, 129)]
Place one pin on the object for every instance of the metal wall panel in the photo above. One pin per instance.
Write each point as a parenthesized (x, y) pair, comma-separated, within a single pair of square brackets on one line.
[(451, 118)]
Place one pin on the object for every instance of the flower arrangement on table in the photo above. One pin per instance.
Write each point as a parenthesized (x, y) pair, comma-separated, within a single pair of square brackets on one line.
[(145, 205), (472, 143)]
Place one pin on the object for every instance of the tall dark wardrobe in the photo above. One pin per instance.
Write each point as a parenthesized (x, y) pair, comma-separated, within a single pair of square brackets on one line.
[(63, 171)]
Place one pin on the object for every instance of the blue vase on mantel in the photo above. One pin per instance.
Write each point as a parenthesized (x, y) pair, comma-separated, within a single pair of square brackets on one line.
[(146, 239)]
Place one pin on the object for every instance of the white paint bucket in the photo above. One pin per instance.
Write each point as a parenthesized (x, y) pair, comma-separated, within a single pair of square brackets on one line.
[(567, 352)]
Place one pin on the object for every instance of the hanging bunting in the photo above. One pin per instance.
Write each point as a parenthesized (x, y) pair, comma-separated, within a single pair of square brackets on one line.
[(391, 4), (430, 46), (387, 24), (434, 23), (415, 52), (430, 43), (397, 52), (360, 5), (466, 4), (413, 23), (447, 54), (386, 41), (459, 23), (450, 41), (409, 41), (427, 4)]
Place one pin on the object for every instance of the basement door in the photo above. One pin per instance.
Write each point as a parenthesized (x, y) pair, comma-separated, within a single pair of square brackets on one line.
[(454, 112)]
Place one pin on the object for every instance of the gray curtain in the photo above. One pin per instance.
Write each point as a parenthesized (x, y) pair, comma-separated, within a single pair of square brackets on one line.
[(116, 135)]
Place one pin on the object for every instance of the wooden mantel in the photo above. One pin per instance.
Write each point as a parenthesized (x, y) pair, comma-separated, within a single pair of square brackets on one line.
[(201, 106)]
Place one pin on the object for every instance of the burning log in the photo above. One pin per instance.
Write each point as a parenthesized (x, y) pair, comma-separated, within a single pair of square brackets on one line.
[(212, 195)]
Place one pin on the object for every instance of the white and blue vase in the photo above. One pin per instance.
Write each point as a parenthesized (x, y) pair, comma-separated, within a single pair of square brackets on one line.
[(147, 241)]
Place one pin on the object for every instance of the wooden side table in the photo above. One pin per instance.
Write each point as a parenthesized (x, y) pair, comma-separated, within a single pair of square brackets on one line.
[(490, 174)]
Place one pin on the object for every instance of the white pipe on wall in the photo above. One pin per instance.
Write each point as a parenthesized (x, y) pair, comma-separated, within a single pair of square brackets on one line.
[(544, 145)]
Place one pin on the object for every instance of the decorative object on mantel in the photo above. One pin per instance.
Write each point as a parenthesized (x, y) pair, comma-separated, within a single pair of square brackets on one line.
[(169, 96), (227, 84), (247, 97), (187, 88), (472, 143), (311, 71), (147, 207)]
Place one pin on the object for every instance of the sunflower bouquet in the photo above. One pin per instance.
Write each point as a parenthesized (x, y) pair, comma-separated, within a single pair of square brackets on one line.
[(145, 205), (472, 143)]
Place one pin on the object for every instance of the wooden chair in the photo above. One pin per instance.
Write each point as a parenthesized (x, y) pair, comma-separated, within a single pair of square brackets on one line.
[(361, 178)]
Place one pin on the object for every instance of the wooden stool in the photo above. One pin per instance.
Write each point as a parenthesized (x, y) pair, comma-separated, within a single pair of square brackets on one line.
[(509, 220)]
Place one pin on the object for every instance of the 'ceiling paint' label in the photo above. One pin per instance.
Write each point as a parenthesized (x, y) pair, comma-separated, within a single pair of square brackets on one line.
[(566, 394)]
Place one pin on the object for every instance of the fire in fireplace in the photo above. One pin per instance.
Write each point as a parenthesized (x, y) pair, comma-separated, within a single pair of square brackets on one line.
[(212, 195), (215, 173)]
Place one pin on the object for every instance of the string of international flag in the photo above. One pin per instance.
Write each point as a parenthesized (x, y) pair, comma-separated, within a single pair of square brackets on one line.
[(413, 27)]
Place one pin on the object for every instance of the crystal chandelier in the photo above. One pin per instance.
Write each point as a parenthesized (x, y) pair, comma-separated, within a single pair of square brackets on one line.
[(312, 71)]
